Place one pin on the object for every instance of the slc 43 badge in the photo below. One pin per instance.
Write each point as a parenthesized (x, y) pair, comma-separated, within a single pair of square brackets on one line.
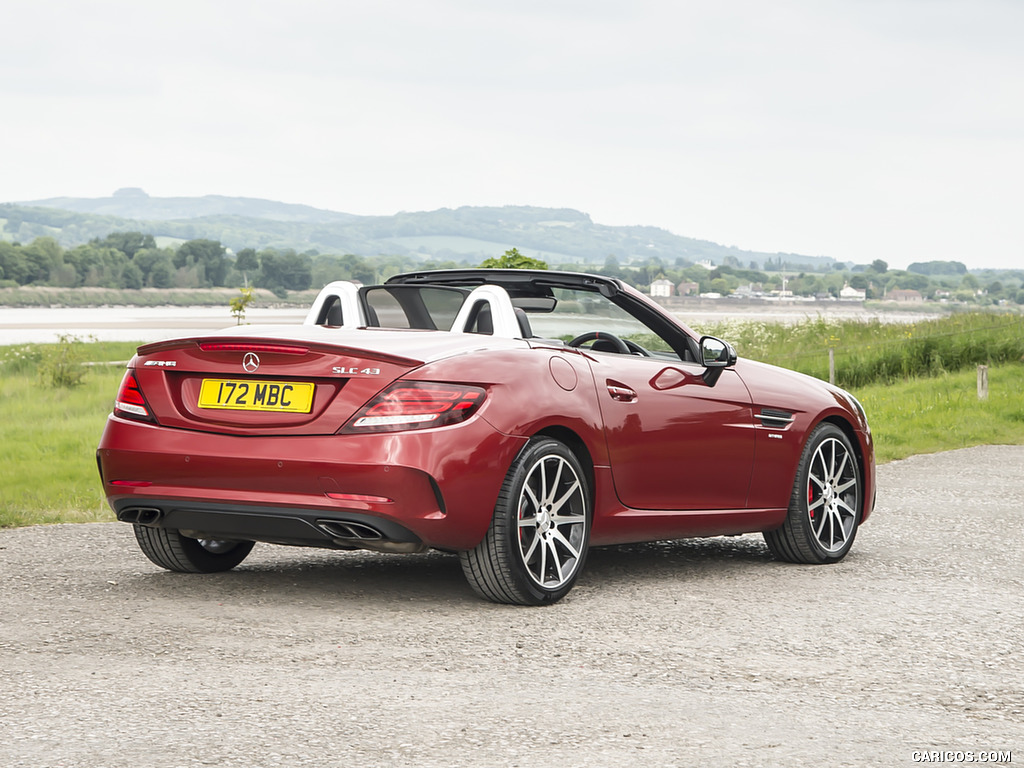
[(355, 371)]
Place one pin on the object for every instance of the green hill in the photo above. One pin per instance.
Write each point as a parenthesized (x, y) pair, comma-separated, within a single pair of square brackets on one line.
[(558, 235)]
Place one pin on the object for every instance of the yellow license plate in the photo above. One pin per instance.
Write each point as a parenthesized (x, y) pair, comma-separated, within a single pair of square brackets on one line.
[(279, 396)]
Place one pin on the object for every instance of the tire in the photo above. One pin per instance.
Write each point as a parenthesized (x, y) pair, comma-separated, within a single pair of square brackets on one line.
[(825, 505), (537, 542), (169, 549)]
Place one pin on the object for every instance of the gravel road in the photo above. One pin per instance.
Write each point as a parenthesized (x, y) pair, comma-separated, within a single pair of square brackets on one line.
[(703, 652)]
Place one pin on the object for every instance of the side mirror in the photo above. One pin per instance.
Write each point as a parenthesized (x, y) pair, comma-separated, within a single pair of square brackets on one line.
[(715, 355)]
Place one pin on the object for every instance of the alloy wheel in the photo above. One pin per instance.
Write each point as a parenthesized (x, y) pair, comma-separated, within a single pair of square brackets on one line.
[(552, 522), (832, 495)]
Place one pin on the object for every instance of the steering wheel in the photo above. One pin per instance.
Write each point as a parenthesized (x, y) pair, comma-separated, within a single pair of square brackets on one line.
[(620, 346), (636, 349)]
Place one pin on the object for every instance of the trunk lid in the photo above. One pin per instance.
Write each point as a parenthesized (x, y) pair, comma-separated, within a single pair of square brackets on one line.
[(279, 380)]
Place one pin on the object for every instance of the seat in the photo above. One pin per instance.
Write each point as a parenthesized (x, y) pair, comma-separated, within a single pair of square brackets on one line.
[(603, 345), (335, 314), (480, 320), (524, 323), (371, 317)]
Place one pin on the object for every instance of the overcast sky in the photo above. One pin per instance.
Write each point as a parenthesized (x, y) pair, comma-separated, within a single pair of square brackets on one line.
[(857, 129)]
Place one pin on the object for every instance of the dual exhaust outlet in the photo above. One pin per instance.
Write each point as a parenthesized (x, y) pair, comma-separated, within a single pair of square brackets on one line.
[(140, 515), (346, 533)]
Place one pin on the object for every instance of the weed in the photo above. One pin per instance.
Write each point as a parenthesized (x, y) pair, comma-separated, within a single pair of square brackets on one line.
[(60, 365), (875, 352)]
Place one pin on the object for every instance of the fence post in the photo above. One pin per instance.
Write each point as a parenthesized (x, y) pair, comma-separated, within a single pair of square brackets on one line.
[(983, 382), (832, 365)]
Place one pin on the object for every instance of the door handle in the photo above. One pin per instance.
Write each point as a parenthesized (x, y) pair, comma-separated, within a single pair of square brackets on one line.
[(621, 392)]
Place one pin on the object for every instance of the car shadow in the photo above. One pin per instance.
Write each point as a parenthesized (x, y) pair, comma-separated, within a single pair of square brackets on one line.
[(680, 558), (296, 576), (293, 576)]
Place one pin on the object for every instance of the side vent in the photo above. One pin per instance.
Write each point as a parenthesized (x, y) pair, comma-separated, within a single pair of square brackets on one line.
[(775, 419)]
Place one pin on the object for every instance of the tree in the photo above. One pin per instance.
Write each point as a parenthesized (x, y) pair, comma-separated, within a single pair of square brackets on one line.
[(131, 276), (612, 268), (162, 274), (247, 261), (41, 256), (13, 265), (148, 259), (969, 283), (285, 271), (240, 303), (908, 280), (295, 270), (513, 259), (879, 266), (208, 254), (357, 268), (128, 243)]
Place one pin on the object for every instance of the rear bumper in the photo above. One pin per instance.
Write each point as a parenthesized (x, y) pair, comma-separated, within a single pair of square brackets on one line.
[(434, 487), (341, 529)]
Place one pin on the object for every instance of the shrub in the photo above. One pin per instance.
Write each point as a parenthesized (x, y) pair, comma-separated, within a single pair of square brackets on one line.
[(61, 364)]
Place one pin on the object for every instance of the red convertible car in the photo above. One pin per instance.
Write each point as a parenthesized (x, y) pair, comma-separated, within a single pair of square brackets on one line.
[(515, 417)]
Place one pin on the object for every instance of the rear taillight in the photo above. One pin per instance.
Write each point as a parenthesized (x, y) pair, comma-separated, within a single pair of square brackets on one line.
[(130, 402), (416, 405)]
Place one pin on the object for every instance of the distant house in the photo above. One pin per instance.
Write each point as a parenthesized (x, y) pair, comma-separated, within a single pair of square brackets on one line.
[(905, 295), (686, 288), (662, 288), (852, 294)]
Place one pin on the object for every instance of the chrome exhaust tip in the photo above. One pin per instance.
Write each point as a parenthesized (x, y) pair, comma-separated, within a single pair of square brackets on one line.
[(352, 535), (342, 529), (140, 515)]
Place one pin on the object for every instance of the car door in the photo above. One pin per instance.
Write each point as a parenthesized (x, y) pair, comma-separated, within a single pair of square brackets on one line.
[(674, 442)]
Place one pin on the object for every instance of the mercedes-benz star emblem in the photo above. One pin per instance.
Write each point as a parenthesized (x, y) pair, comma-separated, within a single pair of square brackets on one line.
[(251, 362)]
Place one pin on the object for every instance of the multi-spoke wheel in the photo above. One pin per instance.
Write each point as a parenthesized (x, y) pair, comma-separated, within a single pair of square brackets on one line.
[(171, 549), (537, 541), (825, 506)]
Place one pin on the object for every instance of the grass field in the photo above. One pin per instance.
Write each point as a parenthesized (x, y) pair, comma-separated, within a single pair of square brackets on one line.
[(48, 434), (943, 412)]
